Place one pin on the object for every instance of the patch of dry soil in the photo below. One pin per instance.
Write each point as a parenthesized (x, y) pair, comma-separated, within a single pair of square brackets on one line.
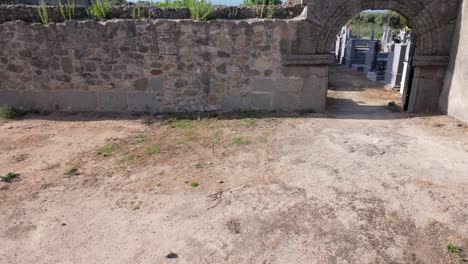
[(359, 184)]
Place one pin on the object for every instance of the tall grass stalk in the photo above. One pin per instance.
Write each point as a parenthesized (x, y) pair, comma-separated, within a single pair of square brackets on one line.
[(100, 9), (44, 13), (173, 4), (201, 10), (67, 10), (140, 12)]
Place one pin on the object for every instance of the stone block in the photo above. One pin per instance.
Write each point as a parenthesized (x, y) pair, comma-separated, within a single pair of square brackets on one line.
[(157, 84), (75, 100), (263, 85), (113, 101), (143, 102), (375, 77), (314, 94), (232, 103), (259, 101), (60, 101), (315, 85), (286, 102), (10, 97), (288, 85), (141, 84), (38, 100), (292, 85)]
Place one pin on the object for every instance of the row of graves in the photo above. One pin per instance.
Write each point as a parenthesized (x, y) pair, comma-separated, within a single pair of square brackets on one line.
[(385, 60)]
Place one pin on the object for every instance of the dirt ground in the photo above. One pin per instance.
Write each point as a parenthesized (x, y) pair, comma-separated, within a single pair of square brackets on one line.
[(362, 183)]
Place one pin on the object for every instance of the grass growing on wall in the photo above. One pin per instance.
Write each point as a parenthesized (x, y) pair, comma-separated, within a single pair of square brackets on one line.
[(260, 2), (201, 10), (141, 13), (44, 13), (67, 11), (263, 8), (100, 9), (173, 4)]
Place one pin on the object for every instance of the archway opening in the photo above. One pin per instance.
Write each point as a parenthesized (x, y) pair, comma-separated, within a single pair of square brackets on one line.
[(372, 70)]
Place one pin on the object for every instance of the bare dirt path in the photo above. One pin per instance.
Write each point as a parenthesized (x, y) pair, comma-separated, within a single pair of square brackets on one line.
[(362, 183)]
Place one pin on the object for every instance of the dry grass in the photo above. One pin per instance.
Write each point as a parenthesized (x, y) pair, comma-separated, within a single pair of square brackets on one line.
[(180, 140)]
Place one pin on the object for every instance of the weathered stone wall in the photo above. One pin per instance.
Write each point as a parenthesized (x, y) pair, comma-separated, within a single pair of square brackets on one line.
[(182, 65), (454, 99), (156, 66)]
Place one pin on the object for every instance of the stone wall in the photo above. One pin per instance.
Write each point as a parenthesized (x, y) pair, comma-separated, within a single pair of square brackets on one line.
[(182, 65), (454, 99), (156, 66)]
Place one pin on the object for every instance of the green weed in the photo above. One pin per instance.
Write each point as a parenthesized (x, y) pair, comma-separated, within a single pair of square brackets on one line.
[(240, 141), (138, 11), (182, 124), (71, 172), (173, 4), (44, 13), (151, 150), (108, 150), (201, 10), (194, 184), (7, 112), (456, 250), (233, 12), (67, 11), (270, 12), (248, 122), (9, 177), (126, 160), (100, 9), (263, 138), (140, 138)]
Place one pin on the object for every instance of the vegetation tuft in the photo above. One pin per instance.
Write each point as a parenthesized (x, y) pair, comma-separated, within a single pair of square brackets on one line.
[(44, 13), (139, 12), (173, 4), (201, 10), (7, 112), (240, 141), (107, 150), (182, 124), (456, 250), (71, 172), (248, 122), (140, 138), (67, 11), (151, 150), (261, 2), (100, 9), (9, 177)]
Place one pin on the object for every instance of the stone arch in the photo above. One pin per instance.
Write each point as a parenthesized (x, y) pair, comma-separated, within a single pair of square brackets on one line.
[(433, 22)]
